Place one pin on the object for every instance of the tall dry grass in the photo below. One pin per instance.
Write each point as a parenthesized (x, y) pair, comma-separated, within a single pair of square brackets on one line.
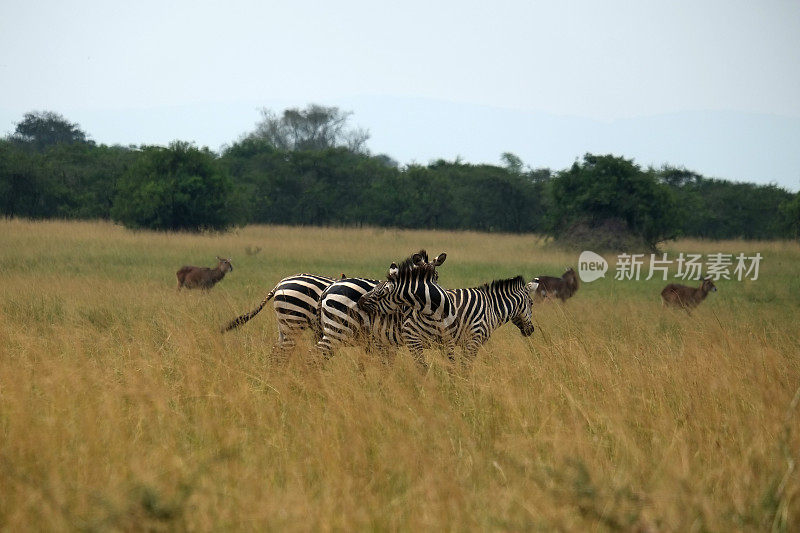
[(123, 408)]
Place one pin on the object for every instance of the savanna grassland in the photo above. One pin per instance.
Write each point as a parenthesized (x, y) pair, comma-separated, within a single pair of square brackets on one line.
[(122, 407)]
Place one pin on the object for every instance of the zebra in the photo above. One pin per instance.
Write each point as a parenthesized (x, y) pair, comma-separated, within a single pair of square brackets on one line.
[(344, 322), (479, 311), (295, 301), (413, 285)]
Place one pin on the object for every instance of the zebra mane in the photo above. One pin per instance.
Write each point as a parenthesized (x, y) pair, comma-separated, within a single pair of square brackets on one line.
[(407, 266), (500, 284)]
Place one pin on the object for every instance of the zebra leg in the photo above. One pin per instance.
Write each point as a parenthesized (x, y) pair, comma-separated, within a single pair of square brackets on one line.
[(471, 350), (386, 354), (448, 344), (329, 335), (450, 348), (316, 330), (284, 344), (334, 331), (324, 347), (286, 334), (412, 338), (416, 347)]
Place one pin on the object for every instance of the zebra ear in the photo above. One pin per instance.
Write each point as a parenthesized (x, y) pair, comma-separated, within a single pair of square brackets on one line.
[(393, 271), (417, 259), (439, 259)]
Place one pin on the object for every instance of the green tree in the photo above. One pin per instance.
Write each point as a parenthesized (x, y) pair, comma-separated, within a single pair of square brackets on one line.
[(331, 186), (607, 191), (41, 129), (175, 188), (314, 128), (49, 169), (23, 192), (721, 209), (483, 197), (512, 162), (791, 211), (65, 180)]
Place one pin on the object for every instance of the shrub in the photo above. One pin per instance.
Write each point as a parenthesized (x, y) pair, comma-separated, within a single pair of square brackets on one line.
[(607, 188), (176, 188)]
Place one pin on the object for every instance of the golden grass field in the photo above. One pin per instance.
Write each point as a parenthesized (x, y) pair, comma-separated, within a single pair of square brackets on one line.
[(122, 407)]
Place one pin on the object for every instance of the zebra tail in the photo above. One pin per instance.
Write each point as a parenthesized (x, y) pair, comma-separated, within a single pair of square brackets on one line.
[(239, 320)]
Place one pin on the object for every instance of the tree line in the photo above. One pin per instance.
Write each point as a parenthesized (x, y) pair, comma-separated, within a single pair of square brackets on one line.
[(309, 167)]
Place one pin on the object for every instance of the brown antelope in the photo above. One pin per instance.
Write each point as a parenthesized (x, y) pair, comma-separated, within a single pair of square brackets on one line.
[(687, 297), (563, 287), (193, 277)]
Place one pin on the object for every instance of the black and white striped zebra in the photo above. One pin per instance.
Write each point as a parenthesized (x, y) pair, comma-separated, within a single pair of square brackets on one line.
[(479, 311), (296, 300), (344, 322), (433, 313)]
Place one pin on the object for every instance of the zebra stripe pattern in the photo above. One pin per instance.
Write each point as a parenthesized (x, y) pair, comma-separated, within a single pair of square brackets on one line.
[(413, 286), (479, 311), (344, 322), (296, 300)]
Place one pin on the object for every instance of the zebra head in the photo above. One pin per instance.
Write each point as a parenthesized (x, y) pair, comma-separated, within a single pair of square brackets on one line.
[(377, 301), (531, 287), (410, 285), (414, 284), (523, 318)]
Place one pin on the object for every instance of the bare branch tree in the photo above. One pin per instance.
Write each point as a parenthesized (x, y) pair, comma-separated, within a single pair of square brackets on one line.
[(314, 128)]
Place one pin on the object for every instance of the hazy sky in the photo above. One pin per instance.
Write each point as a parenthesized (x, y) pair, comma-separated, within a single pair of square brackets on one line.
[(144, 71)]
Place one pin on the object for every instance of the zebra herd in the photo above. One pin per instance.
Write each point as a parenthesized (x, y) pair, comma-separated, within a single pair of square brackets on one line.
[(408, 308)]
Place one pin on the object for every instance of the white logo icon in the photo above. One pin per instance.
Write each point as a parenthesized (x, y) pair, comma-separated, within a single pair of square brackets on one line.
[(591, 266)]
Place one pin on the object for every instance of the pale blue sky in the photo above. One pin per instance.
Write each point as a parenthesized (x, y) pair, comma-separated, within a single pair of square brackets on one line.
[(714, 86)]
